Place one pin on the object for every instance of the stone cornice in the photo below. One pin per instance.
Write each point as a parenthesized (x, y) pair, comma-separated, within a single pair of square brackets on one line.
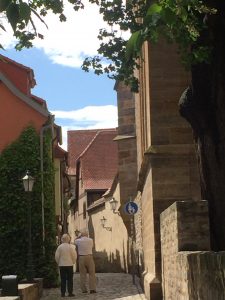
[(161, 151), (175, 149), (124, 137)]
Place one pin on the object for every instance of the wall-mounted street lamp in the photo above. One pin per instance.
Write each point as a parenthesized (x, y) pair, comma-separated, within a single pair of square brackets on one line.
[(103, 222), (113, 205), (28, 182)]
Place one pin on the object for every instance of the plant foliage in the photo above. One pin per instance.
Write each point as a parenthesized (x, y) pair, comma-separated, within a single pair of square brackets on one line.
[(18, 157), (180, 21)]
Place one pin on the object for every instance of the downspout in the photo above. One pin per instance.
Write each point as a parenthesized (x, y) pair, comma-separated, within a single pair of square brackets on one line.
[(77, 181), (43, 129), (63, 192), (62, 199)]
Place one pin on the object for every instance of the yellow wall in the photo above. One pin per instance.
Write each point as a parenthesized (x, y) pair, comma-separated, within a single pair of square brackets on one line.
[(110, 243)]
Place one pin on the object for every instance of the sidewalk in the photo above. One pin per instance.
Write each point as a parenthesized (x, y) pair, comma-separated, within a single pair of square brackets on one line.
[(110, 286)]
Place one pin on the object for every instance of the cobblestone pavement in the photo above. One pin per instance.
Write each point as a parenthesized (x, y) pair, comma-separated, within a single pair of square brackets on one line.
[(110, 286)]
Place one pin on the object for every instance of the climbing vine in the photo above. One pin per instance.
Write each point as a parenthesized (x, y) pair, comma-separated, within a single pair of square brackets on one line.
[(18, 157)]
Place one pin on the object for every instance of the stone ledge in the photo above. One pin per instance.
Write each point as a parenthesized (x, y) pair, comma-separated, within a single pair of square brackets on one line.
[(161, 151), (9, 298), (173, 149), (31, 291), (124, 137), (27, 291)]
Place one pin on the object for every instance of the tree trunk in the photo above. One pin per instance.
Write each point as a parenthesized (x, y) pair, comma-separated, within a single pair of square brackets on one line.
[(203, 106)]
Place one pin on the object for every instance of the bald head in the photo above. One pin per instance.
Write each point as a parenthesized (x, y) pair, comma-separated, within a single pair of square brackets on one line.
[(83, 232)]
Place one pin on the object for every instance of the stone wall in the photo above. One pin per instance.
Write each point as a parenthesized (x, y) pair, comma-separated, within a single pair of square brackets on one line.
[(127, 172), (167, 168), (202, 276), (189, 270), (127, 149), (139, 256)]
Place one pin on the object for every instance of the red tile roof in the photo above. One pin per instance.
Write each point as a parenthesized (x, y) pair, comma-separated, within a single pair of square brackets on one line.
[(77, 141), (98, 156)]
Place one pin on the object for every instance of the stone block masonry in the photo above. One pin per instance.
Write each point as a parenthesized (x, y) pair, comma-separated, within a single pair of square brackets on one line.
[(187, 273)]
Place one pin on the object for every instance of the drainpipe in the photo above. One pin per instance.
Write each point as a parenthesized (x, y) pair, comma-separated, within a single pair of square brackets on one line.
[(43, 129)]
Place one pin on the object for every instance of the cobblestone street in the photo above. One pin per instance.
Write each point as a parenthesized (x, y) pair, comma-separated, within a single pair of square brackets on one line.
[(110, 286)]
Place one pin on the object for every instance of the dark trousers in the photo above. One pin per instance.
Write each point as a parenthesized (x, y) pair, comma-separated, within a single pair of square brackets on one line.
[(66, 275)]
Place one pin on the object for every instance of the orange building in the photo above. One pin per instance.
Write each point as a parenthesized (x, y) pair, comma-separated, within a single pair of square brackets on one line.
[(19, 109)]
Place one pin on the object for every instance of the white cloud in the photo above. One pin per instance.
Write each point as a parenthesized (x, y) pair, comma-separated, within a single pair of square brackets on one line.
[(90, 117), (66, 43)]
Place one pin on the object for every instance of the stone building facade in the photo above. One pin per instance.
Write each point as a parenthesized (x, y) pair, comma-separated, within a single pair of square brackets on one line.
[(165, 167), (127, 171)]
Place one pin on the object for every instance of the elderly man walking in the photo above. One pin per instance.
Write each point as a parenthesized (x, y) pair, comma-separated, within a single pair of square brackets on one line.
[(86, 262)]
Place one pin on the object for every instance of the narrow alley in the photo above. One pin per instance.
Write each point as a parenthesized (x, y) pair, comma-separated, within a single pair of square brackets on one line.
[(110, 286)]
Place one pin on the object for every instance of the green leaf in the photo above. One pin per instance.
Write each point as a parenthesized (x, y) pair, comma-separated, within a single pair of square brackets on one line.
[(168, 16), (13, 15), (25, 12), (154, 9), (4, 4), (132, 44)]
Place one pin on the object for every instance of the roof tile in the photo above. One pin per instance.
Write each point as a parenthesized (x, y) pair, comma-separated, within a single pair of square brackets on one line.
[(98, 155)]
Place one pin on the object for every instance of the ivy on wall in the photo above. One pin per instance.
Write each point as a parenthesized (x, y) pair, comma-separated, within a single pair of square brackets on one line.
[(22, 155)]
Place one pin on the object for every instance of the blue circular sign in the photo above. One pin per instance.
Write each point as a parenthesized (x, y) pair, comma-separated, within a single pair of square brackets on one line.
[(131, 208)]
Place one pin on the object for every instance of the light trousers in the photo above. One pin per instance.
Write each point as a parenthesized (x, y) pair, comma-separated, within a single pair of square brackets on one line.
[(87, 265)]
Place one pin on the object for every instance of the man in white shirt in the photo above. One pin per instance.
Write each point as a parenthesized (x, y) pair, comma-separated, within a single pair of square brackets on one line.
[(65, 257), (86, 262)]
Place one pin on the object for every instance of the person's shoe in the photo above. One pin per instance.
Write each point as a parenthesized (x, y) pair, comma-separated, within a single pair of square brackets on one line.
[(71, 295), (92, 292), (63, 296)]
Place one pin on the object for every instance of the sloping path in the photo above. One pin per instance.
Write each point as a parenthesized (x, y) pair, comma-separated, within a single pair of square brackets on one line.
[(110, 286)]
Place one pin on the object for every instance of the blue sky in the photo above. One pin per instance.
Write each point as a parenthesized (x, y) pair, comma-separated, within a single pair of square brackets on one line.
[(78, 99)]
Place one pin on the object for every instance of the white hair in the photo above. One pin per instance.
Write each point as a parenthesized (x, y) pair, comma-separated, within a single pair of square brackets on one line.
[(65, 238)]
